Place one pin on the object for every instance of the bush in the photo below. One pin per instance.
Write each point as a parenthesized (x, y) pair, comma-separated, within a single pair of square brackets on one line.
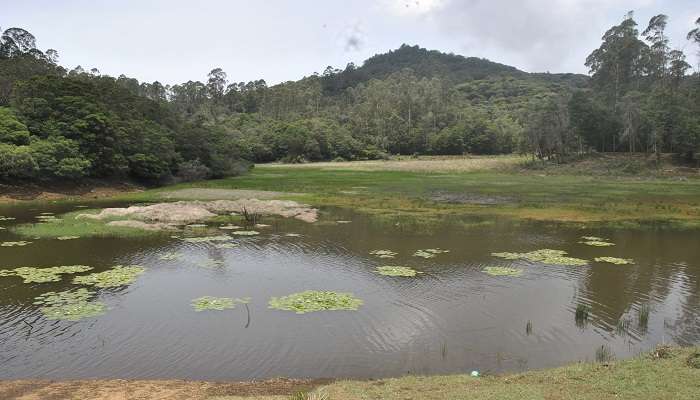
[(16, 162), (11, 130), (192, 170), (58, 157)]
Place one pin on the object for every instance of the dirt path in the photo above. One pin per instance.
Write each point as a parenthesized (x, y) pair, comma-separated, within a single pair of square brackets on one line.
[(158, 390)]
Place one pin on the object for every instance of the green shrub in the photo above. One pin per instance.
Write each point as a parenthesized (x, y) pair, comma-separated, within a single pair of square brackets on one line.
[(16, 162)]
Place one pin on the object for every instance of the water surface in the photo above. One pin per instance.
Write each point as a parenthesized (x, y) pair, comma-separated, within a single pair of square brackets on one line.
[(452, 319)]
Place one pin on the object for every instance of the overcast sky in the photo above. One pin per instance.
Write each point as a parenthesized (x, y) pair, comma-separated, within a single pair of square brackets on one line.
[(178, 40)]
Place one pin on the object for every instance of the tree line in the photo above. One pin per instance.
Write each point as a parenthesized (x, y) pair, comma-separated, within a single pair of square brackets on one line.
[(65, 124)]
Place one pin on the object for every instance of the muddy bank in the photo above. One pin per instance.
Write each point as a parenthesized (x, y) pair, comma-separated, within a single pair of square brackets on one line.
[(81, 190), (155, 389)]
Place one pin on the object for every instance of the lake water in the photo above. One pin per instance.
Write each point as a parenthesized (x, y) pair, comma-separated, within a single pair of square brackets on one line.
[(454, 318)]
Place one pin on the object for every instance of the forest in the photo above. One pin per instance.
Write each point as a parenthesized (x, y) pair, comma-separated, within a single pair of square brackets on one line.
[(57, 124)]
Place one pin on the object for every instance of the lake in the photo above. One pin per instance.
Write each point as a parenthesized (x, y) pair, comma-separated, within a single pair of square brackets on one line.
[(452, 318)]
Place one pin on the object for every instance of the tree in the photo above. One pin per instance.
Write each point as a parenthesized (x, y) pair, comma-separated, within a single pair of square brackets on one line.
[(216, 83)]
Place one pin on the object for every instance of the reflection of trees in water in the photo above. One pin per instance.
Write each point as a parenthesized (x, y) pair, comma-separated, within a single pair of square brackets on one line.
[(664, 273)]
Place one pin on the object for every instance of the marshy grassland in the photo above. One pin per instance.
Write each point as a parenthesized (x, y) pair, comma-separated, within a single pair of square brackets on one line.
[(502, 186)]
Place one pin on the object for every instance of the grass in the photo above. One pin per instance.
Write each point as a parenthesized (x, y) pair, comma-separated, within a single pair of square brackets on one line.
[(644, 377), (68, 226), (589, 201)]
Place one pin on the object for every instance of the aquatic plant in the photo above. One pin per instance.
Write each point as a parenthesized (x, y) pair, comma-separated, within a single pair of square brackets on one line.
[(528, 328), (196, 226), (597, 243), (6, 218), (546, 256), (614, 260), (170, 256), (392, 270), (246, 233), (68, 237), (115, 277), (262, 225), (6, 272), (581, 315), (314, 300), (429, 253), (503, 271), (206, 239), (604, 354), (226, 245), (71, 305), (45, 217), (383, 253), (343, 222), (15, 244), (210, 263), (643, 316), (594, 239), (216, 303), (51, 274), (292, 234)]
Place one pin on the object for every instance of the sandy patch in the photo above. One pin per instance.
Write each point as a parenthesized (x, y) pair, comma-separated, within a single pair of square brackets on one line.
[(186, 212)]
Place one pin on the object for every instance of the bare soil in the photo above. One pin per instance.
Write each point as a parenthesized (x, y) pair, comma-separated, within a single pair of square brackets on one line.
[(156, 389), (87, 189)]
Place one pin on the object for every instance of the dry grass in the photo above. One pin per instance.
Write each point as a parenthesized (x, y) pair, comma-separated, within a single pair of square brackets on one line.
[(425, 164)]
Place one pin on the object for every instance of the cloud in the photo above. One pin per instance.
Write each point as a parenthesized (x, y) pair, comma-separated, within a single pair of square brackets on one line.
[(353, 37), (412, 7), (537, 35)]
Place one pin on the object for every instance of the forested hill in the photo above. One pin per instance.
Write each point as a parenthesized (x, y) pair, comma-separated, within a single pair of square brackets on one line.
[(68, 124)]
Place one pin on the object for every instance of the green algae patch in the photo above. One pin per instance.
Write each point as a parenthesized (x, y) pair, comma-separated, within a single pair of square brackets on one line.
[(313, 300), (429, 253), (503, 271), (614, 260), (545, 256), (245, 233), (115, 277), (20, 243), (51, 274), (395, 270), (206, 303), (207, 239), (383, 253), (69, 305)]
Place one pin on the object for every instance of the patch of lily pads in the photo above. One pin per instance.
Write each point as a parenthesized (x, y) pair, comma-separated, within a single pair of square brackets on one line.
[(596, 241), (614, 260), (313, 300), (229, 227), (68, 237), (216, 303), (20, 243), (384, 253), (429, 253), (6, 218), (43, 275), (503, 271), (395, 270), (115, 277), (70, 305), (170, 256), (545, 256)]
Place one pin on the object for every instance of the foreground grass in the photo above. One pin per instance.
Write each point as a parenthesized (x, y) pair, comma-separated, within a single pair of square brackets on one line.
[(68, 225), (645, 377), (612, 201)]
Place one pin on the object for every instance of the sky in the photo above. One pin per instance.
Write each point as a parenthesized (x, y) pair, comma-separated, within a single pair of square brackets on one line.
[(174, 41)]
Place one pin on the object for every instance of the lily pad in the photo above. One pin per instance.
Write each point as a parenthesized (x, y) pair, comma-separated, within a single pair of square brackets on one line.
[(206, 239), (216, 303), (313, 300), (171, 256), (115, 277), (343, 222), (15, 244), (196, 226), (70, 305), (429, 253), (262, 225), (68, 237), (246, 233), (6, 218), (226, 245), (594, 239), (384, 253), (51, 274), (615, 260), (6, 272), (503, 271), (230, 227), (292, 234), (395, 270), (545, 256), (597, 243)]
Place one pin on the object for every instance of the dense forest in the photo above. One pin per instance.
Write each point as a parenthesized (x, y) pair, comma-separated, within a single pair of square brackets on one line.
[(56, 124)]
